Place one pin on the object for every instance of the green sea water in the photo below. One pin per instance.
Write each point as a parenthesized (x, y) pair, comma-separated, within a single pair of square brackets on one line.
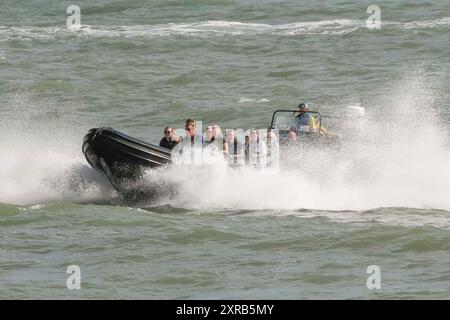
[(302, 233)]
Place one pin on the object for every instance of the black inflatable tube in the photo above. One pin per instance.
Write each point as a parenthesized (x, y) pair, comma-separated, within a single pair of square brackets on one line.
[(120, 156)]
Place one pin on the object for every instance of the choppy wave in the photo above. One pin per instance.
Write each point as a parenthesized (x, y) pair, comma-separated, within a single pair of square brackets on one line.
[(216, 28), (443, 23)]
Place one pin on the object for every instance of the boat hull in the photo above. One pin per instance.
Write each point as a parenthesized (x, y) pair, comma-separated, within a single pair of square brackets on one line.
[(121, 157)]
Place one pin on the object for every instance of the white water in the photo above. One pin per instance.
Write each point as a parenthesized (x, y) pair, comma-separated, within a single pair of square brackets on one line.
[(398, 160), (41, 159), (217, 28), (36, 172)]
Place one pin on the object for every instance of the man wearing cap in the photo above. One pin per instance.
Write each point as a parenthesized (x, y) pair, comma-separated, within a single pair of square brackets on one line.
[(304, 120)]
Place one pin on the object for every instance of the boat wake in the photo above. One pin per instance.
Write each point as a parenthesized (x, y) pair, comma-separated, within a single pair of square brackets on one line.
[(395, 157)]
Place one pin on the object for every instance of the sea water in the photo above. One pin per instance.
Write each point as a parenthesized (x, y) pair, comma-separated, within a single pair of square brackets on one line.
[(312, 230)]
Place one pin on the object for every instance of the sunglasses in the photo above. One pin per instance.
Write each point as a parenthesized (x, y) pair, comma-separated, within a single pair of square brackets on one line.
[(166, 132), (189, 129)]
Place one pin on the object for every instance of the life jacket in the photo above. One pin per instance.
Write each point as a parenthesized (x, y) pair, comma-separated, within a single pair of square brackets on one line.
[(304, 120)]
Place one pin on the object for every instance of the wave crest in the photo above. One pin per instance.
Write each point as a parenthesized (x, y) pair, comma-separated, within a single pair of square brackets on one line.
[(216, 28)]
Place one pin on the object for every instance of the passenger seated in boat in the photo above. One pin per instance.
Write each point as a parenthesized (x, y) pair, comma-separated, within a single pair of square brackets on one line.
[(216, 132), (230, 144), (257, 148), (292, 136), (271, 134), (191, 133), (212, 148), (190, 147), (271, 137), (209, 138), (169, 140), (304, 120)]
